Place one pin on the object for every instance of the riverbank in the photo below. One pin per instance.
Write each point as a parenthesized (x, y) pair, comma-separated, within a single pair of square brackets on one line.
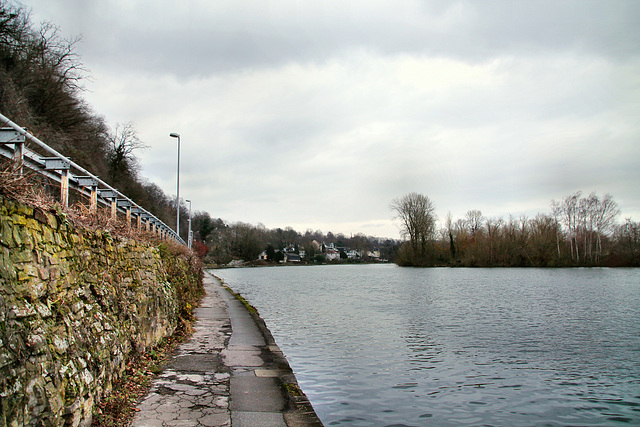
[(231, 371)]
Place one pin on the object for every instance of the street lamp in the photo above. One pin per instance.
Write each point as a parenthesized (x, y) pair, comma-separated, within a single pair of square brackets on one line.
[(190, 238), (175, 135)]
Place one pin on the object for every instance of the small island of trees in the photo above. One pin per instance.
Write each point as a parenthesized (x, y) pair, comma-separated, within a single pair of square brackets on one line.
[(579, 231)]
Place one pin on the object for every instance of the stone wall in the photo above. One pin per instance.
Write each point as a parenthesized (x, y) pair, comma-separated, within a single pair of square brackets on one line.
[(75, 304)]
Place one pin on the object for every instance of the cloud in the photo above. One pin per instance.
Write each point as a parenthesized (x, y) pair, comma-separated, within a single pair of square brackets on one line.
[(318, 114), (201, 37)]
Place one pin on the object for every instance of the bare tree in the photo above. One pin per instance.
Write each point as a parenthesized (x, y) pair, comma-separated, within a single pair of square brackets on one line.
[(556, 210), (606, 212), (628, 239), (418, 222), (586, 220), (474, 219), (247, 241), (571, 218), (493, 226), (123, 143)]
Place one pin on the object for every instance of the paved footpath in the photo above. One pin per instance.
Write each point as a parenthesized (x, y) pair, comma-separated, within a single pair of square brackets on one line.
[(231, 372)]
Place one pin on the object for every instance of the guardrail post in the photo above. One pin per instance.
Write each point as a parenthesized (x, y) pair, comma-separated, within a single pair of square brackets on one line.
[(92, 183), (112, 196), (62, 165), (138, 213), (18, 154), (126, 204), (64, 187), (11, 136)]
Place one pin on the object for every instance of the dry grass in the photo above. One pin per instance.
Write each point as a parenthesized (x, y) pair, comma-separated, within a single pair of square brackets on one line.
[(25, 187), (29, 188)]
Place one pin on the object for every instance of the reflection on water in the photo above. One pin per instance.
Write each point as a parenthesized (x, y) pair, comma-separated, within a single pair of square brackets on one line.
[(382, 345)]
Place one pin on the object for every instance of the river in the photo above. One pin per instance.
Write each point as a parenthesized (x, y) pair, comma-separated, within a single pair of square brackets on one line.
[(381, 345)]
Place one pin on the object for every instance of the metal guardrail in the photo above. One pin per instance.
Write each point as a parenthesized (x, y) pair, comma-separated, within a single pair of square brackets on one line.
[(13, 140)]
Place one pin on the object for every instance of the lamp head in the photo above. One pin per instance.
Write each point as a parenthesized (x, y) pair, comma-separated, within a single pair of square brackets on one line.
[(174, 135)]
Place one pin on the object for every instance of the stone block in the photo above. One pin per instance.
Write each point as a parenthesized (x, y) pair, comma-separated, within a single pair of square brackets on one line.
[(43, 273), (26, 236), (22, 309), (23, 256), (30, 270), (24, 210), (16, 236), (36, 341), (18, 219), (6, 235), (7, 269), (43, 310), (32, 224), (47, 235), (54, 397)]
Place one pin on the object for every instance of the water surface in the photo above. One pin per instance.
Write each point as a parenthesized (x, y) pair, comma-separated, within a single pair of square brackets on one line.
[(384, 345)]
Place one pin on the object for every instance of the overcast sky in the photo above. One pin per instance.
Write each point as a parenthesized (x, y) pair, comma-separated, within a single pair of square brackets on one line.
[(317, 114)]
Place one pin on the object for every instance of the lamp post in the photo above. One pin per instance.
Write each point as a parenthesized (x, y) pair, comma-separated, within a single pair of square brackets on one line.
[(175, 135), (189, 238)]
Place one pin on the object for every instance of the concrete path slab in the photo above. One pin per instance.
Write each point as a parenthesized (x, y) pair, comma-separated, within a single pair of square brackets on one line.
[(256, 394), (255, 419), (231, 372)]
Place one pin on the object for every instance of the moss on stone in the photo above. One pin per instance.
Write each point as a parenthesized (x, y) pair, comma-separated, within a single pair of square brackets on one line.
[(75, 307)]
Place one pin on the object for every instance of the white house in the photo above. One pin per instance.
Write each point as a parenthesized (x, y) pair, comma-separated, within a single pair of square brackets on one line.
[(353, 254), (332, 254)]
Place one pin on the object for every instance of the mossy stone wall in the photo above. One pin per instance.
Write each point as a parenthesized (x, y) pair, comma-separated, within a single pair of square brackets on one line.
[(75, 304)]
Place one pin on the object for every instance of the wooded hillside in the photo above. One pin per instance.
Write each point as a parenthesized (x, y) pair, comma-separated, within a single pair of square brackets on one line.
[(41, 88)]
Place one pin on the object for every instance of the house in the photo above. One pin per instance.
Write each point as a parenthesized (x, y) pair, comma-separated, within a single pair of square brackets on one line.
[(292, 257), (373, 254), (353, 254), (332, 254)]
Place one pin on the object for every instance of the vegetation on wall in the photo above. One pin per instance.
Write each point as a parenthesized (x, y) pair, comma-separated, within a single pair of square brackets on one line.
[(184, 271), (76, 304)]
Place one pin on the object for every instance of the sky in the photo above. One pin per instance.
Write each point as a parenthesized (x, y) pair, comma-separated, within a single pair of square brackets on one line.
[(317, 114)]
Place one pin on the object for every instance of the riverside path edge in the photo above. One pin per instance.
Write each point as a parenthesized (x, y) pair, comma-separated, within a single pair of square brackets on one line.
[(230, 372)]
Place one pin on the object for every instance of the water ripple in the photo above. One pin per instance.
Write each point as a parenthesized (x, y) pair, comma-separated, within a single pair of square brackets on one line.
[(382, 345)]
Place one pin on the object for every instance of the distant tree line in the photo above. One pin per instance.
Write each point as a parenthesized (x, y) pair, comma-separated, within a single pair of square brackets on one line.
[(579, 231), (41, 87), (218, 242)]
